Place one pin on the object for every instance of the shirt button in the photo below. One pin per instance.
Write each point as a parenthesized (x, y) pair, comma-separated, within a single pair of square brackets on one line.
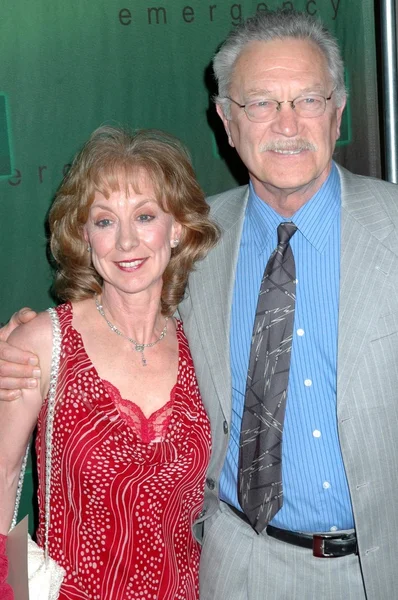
[(211, 484), (307, 382), (225, 427), (300, 332), (316, 433), (326, 485)]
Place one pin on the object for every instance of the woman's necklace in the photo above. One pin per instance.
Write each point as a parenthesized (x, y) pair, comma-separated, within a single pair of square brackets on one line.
[(137, 346)]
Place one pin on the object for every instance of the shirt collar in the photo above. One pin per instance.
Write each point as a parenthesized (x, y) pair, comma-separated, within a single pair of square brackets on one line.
[(314, 220)]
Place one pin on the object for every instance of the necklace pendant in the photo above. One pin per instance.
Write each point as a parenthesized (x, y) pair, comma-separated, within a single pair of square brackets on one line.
[(141, 348)]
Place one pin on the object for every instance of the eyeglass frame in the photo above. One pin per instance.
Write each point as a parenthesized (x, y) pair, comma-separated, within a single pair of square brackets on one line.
[(279, 104)]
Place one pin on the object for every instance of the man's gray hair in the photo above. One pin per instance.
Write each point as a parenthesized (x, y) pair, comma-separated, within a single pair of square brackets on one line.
[(270, 25)]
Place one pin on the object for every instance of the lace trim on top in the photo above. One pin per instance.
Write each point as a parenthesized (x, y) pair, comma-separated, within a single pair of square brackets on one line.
[(148, 429)]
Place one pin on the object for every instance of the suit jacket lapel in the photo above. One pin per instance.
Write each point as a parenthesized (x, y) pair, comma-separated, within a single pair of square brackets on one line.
[(366, 263), (211, 290)]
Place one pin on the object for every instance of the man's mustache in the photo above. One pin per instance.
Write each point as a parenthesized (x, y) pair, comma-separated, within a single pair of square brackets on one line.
[(295, 145)]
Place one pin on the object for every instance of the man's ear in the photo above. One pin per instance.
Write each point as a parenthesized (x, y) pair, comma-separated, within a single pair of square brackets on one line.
[(226, 123), (339, 115)]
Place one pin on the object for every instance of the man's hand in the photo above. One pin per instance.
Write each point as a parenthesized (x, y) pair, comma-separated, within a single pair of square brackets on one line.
[(18, 369)]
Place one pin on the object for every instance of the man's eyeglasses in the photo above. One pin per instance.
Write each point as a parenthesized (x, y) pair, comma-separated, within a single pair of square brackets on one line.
[(260, 111)]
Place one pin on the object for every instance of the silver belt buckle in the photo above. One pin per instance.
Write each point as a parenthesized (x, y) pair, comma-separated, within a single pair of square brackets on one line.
[(318, 545)]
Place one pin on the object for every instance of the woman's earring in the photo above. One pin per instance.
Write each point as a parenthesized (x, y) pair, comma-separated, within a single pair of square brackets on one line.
[(88, 248), (175, 243)]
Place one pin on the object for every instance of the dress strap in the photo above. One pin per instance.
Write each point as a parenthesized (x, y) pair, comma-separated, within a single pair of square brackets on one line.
[(55, 357)]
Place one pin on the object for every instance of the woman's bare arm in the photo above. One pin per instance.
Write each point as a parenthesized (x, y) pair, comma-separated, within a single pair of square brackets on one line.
[(18, 418)]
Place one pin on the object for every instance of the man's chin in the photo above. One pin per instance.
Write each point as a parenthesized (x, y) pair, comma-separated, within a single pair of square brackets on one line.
[(287, 182)]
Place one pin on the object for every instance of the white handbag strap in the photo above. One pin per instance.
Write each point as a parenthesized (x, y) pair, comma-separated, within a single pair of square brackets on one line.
[(56, 353)]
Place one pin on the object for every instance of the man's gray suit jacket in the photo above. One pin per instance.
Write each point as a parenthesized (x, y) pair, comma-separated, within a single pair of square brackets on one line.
[(367, 377)]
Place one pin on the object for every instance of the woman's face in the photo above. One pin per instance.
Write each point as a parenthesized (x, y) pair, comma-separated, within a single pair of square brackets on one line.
[(131, 239)]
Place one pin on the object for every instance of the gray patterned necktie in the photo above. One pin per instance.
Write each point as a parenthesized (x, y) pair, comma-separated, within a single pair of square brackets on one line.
[(260, 458)]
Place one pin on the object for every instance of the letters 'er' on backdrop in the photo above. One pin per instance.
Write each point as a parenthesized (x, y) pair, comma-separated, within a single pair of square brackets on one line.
[(68, 67)]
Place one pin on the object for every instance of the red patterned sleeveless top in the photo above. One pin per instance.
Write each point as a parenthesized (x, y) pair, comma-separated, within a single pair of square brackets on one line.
[(125, 489)]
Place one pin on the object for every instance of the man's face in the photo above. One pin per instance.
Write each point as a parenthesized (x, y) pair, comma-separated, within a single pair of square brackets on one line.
[(283, 70)]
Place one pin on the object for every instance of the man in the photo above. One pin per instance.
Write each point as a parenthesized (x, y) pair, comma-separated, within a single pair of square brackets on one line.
[(281, 99)]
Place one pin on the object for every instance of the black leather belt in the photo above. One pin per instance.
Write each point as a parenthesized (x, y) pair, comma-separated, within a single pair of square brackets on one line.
[(323, 545)]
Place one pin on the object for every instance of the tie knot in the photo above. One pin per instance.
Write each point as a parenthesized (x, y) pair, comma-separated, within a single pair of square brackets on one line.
[(285, 232)]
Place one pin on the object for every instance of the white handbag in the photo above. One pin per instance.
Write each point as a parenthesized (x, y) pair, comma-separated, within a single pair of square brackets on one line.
[(44, 574)]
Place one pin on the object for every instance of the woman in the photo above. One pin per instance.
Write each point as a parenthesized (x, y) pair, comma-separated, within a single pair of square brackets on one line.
[(131, 439)]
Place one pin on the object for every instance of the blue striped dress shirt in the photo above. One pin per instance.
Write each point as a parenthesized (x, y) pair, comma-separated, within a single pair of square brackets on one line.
[(316, 495)]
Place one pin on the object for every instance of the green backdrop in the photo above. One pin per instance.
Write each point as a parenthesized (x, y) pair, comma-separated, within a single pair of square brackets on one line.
[(68, 67)]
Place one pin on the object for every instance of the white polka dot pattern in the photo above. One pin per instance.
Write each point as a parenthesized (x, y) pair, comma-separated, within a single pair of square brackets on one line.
[(122, 509)]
